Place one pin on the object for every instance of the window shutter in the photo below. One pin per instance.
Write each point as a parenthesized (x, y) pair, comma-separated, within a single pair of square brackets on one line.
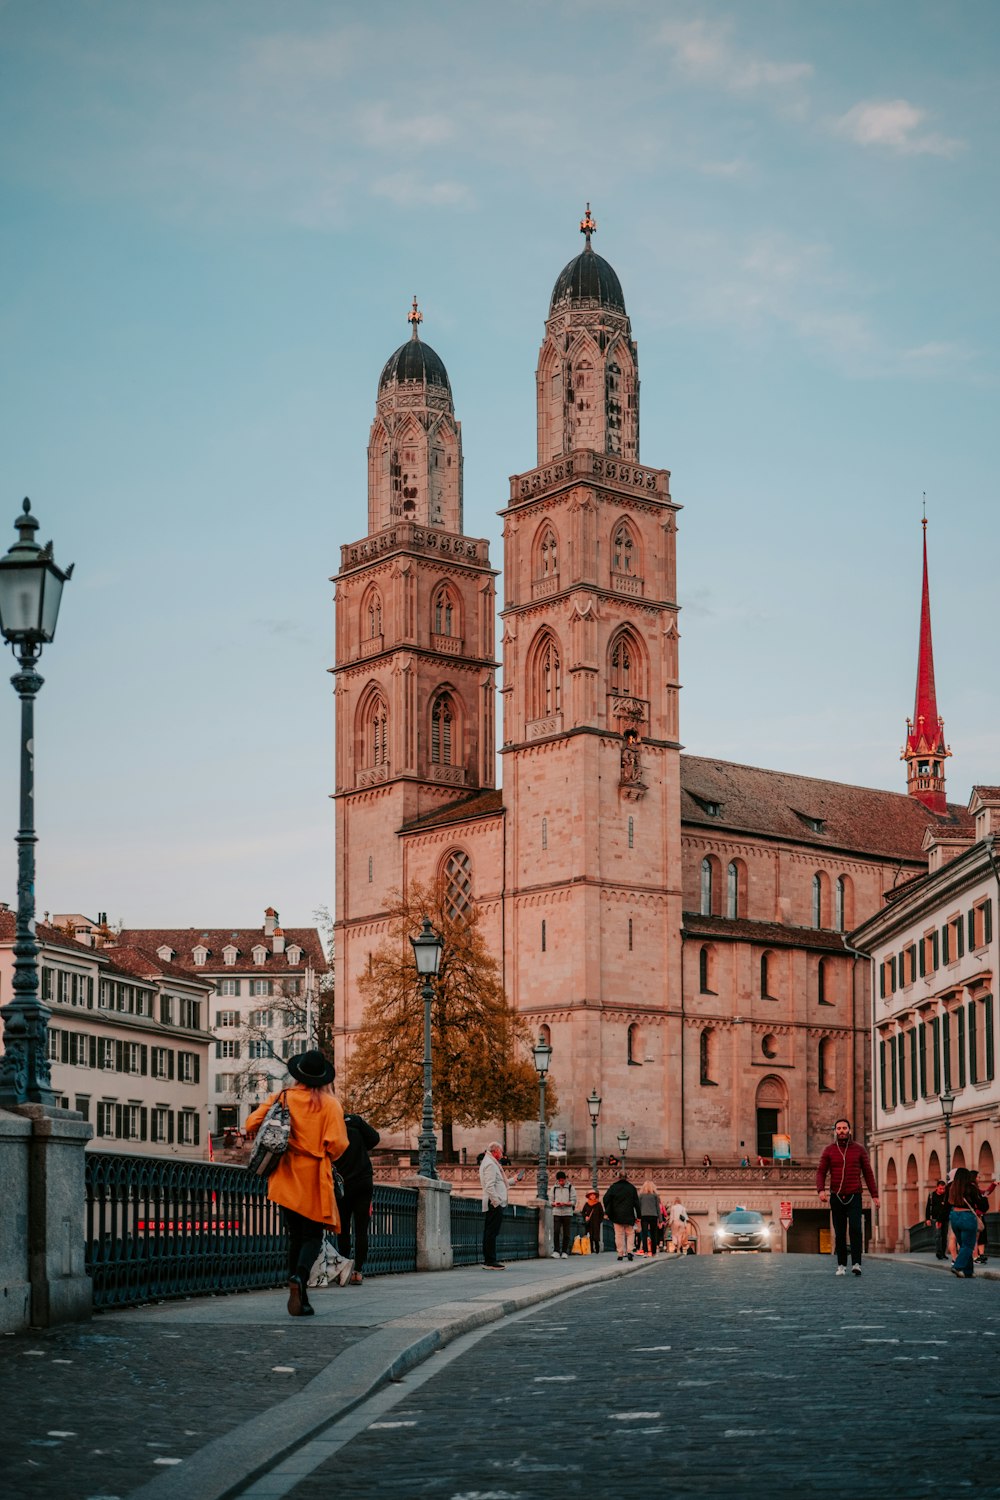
[(894, 1072), (912, 1091), (63, 1046), (988, 1033), (119, 1057), (946, 1047), (987, 921), (170, 1066), (973, 1043), (960, 1017), (143, 1123), (218, 1049), (881, 980), (922, 1058), (959, 938), (881, 1073), (119, 1120), (170, 1127), (936, 1043), (935, 947), (144, 1059), (197, 1067), (196, 1123), (90, 992), (945, 944), (923, 964), (971, 921)]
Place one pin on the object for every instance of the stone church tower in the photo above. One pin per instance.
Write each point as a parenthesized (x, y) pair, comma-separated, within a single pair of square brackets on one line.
[(590, 737), (415, 690)]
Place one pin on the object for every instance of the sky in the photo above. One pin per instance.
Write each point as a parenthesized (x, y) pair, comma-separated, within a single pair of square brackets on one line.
[(213, 219)]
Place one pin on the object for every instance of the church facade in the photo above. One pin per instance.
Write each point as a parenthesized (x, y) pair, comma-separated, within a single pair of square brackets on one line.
[(674, 925)]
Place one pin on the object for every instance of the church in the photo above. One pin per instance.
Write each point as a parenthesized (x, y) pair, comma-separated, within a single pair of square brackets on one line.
[(674, 925)]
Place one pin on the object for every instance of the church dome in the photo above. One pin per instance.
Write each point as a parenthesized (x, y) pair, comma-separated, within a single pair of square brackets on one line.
[(588, 279), (414, 360)]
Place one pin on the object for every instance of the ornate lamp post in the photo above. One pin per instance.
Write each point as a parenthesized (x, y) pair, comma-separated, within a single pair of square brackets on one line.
[(594, 1105), (427, 950), (542, 1054), (947, 1102), (30, 590), (623, 1145)]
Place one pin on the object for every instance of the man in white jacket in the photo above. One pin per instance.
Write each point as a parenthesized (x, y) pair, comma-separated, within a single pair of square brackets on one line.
[(491, 1175)]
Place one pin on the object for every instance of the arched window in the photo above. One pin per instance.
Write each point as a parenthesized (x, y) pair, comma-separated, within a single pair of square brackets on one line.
[(458, 884), (844, 904), (706, 1056), (824, 1067), (625, 674), (634, 1046), (821, 900), (706, 961), (545, 1035), (375, 731), (547, 554), (821, 982), (445, 612), (766, 976), (624, 552), (707, 893), (732, 890), (442, 724), (371, 616), (546, 678)]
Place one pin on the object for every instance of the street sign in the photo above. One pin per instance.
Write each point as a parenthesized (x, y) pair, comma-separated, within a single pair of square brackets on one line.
[(781, 1147), (785, 1215)]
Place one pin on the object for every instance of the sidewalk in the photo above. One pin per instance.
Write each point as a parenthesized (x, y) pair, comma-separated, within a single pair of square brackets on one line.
[(191, 1400), (928, 1261)]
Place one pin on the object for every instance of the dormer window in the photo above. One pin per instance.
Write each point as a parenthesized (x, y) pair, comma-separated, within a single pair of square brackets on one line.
[(259, 953), (713, 809), (200, 954), (230, 953), (814, 824), (294, 954), (166, 954)]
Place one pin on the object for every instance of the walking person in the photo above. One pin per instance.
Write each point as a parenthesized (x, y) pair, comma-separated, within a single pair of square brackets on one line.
[(649, 1215), (936, 1213), (563, 1209), (302, 1181), (846, 1163), (621, 1204), (494, 1184), (678, 1228), (962, 1196), (981, 1204), (355, 1205), (593, 1218)]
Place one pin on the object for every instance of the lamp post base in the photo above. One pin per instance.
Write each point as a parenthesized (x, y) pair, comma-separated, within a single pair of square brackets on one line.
[(427, 1154)]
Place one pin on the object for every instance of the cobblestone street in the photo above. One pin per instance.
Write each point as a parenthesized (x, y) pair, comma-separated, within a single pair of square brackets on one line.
[(725, 1376)]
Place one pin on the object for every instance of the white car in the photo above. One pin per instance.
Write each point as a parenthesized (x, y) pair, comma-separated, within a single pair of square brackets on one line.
[(743, 1229)]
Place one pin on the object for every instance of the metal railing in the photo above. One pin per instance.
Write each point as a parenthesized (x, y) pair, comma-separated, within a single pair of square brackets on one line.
[(158, 1228), (517, 1240)]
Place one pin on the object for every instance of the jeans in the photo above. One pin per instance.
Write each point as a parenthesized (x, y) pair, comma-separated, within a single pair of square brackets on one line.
[(650, 1227), (966, 1228), (847, 1213), (940, 1238), (562, 1227), (305, 1239), (355, 1205), (492, 1220)]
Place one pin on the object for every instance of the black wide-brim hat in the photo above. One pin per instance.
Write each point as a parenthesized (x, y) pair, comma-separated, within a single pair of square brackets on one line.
[(312, 1069)]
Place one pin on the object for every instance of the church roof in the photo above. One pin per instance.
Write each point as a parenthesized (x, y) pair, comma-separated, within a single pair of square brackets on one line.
[(415, 360), (771, 934), (807, 810), (479, 805), (590, 280)]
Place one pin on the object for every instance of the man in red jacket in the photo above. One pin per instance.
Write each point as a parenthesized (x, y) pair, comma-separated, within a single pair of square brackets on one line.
[(846, 1162)]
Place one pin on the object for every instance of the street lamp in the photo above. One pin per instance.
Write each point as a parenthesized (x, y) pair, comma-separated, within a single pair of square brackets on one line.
[(542, 1054), (594, 1105), (947, 1105), (623, 1145), (30, 589), (427, 957)]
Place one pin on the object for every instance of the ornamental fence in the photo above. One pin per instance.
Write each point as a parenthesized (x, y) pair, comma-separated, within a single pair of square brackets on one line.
[(517, 1240)]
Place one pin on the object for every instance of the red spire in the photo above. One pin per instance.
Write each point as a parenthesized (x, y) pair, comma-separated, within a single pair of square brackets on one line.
[(925, 750)]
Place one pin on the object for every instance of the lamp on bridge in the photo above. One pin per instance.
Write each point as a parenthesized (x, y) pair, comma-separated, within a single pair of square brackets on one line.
[(594, 1105), (30, 590), (542, 1054), (623, 1139), (427, 949), (947, 1105)]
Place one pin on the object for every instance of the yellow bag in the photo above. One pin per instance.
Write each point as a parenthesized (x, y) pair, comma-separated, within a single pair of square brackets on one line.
[(581, 1245)]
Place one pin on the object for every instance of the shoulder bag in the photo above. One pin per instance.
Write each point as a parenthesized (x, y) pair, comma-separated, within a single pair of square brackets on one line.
[(272, 1139)]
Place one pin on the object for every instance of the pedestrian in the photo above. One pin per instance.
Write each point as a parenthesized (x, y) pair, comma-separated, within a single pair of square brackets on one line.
[(621, 1204), (495, 1185), (678, 1228), (302, 1181), (981, 1204), (846, 1163), (936, 1213), (962, 1196), (563, 1209), (706, 1160), (649, 1214), (593, 1218), (355, 1169)]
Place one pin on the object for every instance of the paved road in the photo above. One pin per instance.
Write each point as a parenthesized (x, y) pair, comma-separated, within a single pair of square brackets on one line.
[(758, 1377)]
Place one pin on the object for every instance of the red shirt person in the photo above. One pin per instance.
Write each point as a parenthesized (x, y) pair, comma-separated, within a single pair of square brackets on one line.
[(846, 1164)]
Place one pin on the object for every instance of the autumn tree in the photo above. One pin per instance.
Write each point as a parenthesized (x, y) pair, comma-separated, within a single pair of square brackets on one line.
[(480, 1050)]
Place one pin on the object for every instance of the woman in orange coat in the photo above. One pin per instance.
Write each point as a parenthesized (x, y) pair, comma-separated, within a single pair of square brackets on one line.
[(302, 1181)]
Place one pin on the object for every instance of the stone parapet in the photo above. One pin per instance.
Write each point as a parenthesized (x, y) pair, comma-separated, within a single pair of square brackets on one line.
[(434, 1252)]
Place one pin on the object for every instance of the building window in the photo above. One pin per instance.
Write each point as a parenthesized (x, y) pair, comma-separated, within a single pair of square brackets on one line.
[(229, 955), (706, 1056), (228, 1018), (371, 871), (766, 976), (161, 1125), (258, 1049), (445, 612), (229, 986), (825, 1066), (161, 1062), (817, 901), (733, 889), (631, 833), (105, 1119), (260, 1018), (981, 925), (546, 679), (545, 833), (442, 721), (623, 550), (261, 987), (630, 934), (259, 954), (543, 935), (188, 1067), (548, 555), (821, 995), (706, 958), (230, 1048), (372, 616), (769, 1046), (376, 732), (624, 677), (706, 888), (458, 884), (634, 1046), (188, 1128)]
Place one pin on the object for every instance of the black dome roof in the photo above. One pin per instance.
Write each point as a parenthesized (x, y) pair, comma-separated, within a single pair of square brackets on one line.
[(414, 360), (588, 278)]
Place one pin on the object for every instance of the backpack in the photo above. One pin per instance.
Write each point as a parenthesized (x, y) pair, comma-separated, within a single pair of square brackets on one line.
[(272, 1139)]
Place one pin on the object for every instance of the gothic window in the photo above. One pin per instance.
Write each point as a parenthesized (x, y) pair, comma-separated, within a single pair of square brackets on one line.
[(821, 983), (634, 1044), (624, 666), (631, 833), (825, 1065), (766, 976), (445, 612), (630, 934), (442, 724), (371, 616), (843, 915), (547, 556), (458, 884), (543, 935), (706, 958), (706, 887), (376, 732), (706, 1056), (546, 678), (732, 891)]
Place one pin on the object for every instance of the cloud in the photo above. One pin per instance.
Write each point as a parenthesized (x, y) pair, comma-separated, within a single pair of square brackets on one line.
[(894, 124), (704, 50), (379, 130), (404, 189), (735, 168)]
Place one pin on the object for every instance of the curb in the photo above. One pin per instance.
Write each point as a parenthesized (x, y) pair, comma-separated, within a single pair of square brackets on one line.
[(225, 1466), (938, 1267)]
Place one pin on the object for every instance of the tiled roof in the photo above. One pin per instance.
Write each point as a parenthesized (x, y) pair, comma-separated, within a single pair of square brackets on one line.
[(45, 934), (184, 940), (768, 934), (806, 810), (987, 793), (479, 805), (139, 964)]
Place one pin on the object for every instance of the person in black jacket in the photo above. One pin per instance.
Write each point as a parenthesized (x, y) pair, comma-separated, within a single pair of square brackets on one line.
[(356, 1169), (937, 1212), (621, 1204)]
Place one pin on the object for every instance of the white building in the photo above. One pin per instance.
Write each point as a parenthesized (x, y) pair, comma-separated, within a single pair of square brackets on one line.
[(934, 952)]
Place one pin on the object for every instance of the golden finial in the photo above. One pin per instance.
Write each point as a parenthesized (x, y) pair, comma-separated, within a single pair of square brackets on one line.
[(588, 225), (415, 316)]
